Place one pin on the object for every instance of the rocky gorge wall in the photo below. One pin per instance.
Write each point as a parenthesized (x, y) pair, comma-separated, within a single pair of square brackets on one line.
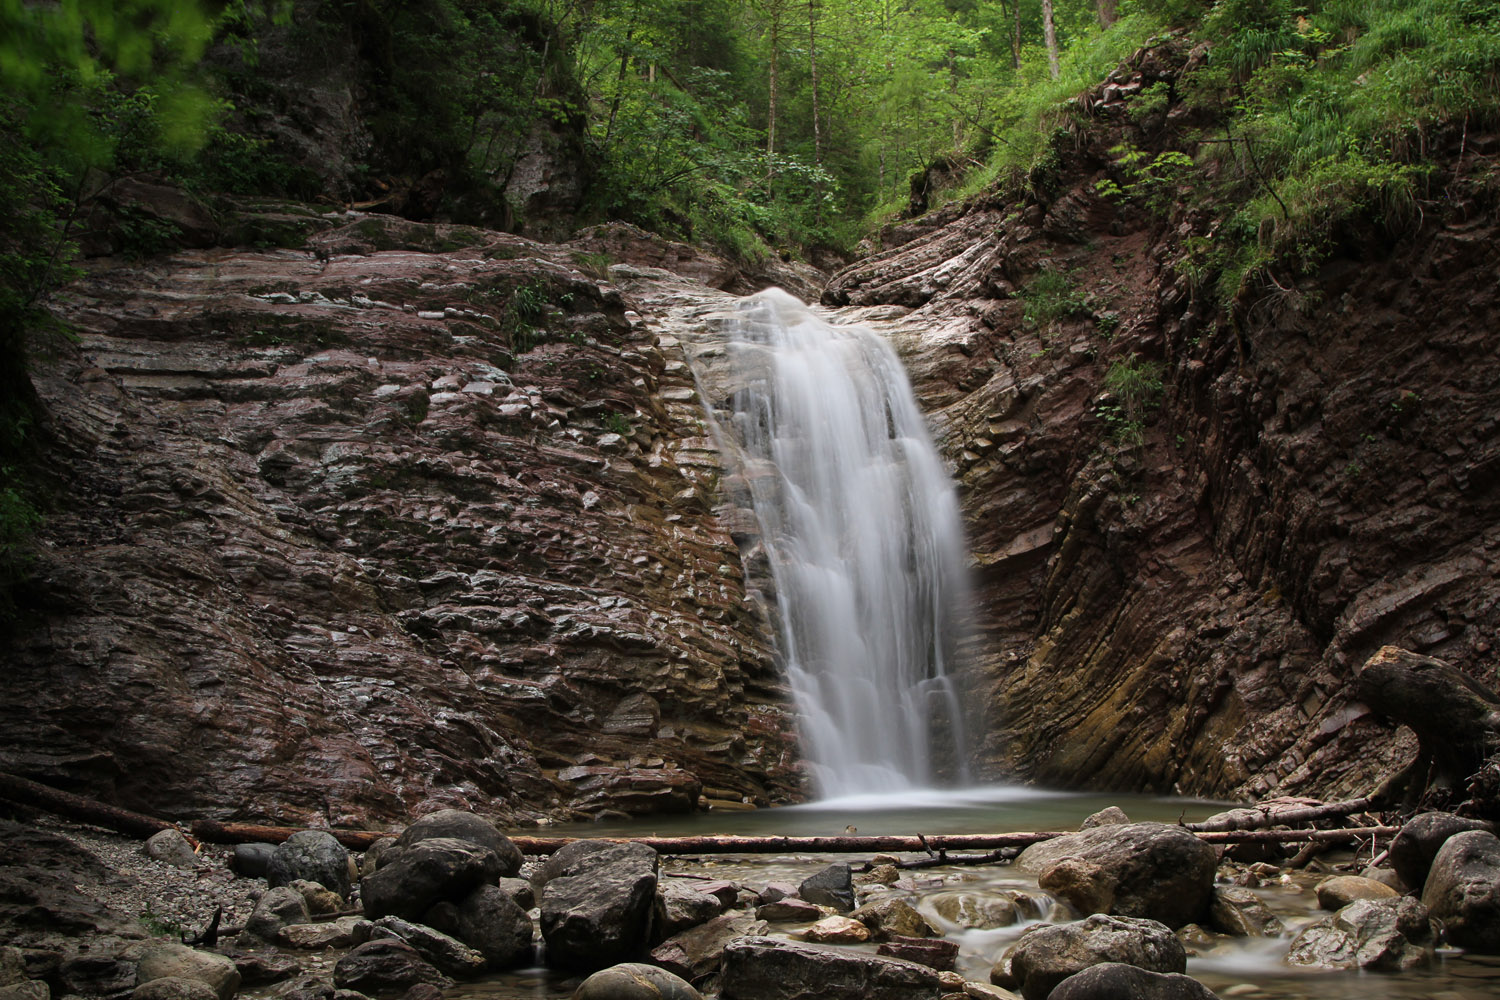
[(405, 514), (1319, 478)]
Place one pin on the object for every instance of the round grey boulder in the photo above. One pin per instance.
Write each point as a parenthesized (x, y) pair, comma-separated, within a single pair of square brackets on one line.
[(1463, 891), (1390, 935), (429, 872), (1044, 956), (312, 855), (1117, 981), (252, 860), (174, 988), (456, 824), (277, 908), (1420, 839), (171, 847), (180, 961), (634, 981)]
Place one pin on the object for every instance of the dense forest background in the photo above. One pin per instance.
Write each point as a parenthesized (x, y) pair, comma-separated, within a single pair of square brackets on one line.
[(757, 127)]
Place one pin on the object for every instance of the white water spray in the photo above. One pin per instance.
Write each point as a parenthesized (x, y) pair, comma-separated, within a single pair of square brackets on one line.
[(862, 530)]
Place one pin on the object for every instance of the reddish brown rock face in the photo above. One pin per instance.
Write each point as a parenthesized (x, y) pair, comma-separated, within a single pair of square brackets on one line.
[(1189, 613), (350, 530)]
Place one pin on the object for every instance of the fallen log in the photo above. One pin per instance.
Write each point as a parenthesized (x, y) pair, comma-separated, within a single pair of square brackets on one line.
[(76, 807), (214, 832), (1267, 817)]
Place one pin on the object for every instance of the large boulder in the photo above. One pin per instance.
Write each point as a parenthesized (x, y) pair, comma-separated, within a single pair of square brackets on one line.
[(681, 906), (428, 873), (312, 855), (633, 981), (280, 907), (385, 968), (893, 917), (1118, 981), (1046, 955), (456, 824), (573, 858), (1389, 935), (980, 910), (448, 954), (1463, 891), (1420, 839), (697, 952), (760, 968), (490, 921), (171, 847), (181, 962), (1149, 870), (603, 915)]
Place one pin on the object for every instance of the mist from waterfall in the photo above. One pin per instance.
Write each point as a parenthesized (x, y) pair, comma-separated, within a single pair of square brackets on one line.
[(862, 531)]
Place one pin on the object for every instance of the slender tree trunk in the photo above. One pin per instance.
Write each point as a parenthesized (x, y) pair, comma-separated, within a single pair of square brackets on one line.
[(1050, 31), (1015, 33), (771, 103), (1107, 13), (812, 56)]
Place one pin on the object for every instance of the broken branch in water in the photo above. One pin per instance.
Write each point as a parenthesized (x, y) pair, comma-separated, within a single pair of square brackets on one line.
[(1270, 816)]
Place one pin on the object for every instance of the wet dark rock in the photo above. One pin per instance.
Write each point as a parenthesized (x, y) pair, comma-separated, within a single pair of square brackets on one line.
[(492, 922), (893, 917), (833, 886), (1046, 955), (760, 968), (252, 860), (313, 855), (680, 906), (372, 857), (633, 981), (425, 874), (97, 974), (603, 914), (265, 968), (447, 954), (788, 911), (385, 968), (1463, 891), (457, 824), (520, 890), (1420, 839), (1149, 870), (698, 951), (1390, 935), (174, 988), (1117, 981), (1241, 913)]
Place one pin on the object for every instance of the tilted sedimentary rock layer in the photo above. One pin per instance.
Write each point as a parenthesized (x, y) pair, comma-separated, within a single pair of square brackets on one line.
[(1189, 613), (341, 529)]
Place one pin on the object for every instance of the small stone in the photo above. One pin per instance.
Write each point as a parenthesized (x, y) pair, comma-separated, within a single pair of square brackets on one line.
[(893, 917), (976, 911), (836, 930), (320, 901), (775, 891), (1108, 816), (171, 847), (340, 933), (789, 911), (1241, 913), (879, 875), (833, 886)]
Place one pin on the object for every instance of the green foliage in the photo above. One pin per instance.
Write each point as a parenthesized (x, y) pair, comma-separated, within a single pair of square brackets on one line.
[(618, 423), (1135, 388), (1051, 296), (1151, 181)]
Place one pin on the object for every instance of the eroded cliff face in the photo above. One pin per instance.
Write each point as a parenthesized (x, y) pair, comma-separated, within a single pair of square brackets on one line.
[(413, 513), (1187, 614)]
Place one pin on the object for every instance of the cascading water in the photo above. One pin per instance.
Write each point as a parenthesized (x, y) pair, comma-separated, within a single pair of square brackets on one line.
[(862, 530)]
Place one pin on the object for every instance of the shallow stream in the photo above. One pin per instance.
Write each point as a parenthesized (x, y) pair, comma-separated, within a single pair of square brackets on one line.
[(1249, 968)]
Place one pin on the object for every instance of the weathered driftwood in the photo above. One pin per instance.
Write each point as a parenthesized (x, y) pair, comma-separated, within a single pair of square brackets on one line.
[(1282, 817), (214, 832)]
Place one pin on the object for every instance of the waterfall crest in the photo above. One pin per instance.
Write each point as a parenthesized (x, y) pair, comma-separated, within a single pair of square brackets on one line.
[(862, 531)]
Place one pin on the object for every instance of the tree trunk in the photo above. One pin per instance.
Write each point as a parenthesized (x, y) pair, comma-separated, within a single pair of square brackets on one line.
[(1049, 30), (1107, 13), (812, 57), (771, 102), (1015, 33)]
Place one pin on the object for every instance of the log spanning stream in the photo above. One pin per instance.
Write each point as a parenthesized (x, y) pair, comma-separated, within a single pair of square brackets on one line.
[(862, 531)]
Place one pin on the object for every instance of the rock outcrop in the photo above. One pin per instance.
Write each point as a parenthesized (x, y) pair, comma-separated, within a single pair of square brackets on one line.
[(402, 515)]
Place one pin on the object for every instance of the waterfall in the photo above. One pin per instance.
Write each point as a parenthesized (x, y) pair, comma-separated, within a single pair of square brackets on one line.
[(862, 532)]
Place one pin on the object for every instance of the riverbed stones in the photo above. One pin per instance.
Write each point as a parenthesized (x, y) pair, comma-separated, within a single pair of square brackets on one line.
[(1239, 912), (1044, 956), (789, 911), (457, 824), (1339, 891), (447, 954), (602, 915), (425, 874), (1463, 890), (833, 886), (935, 953), (1118, 981), (1420, 839), (699, 951), (277, 908), (171, 847), (385, 968), (1389, 935), (313, 855), (634, 981), (340, 933), (174, 988), (680, 906), (1149, 870), (761, 968), (164, 960), (977, 910), (836, 929), (893, 917)]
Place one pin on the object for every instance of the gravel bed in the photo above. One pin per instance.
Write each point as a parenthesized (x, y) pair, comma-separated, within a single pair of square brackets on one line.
[(165, 898)]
